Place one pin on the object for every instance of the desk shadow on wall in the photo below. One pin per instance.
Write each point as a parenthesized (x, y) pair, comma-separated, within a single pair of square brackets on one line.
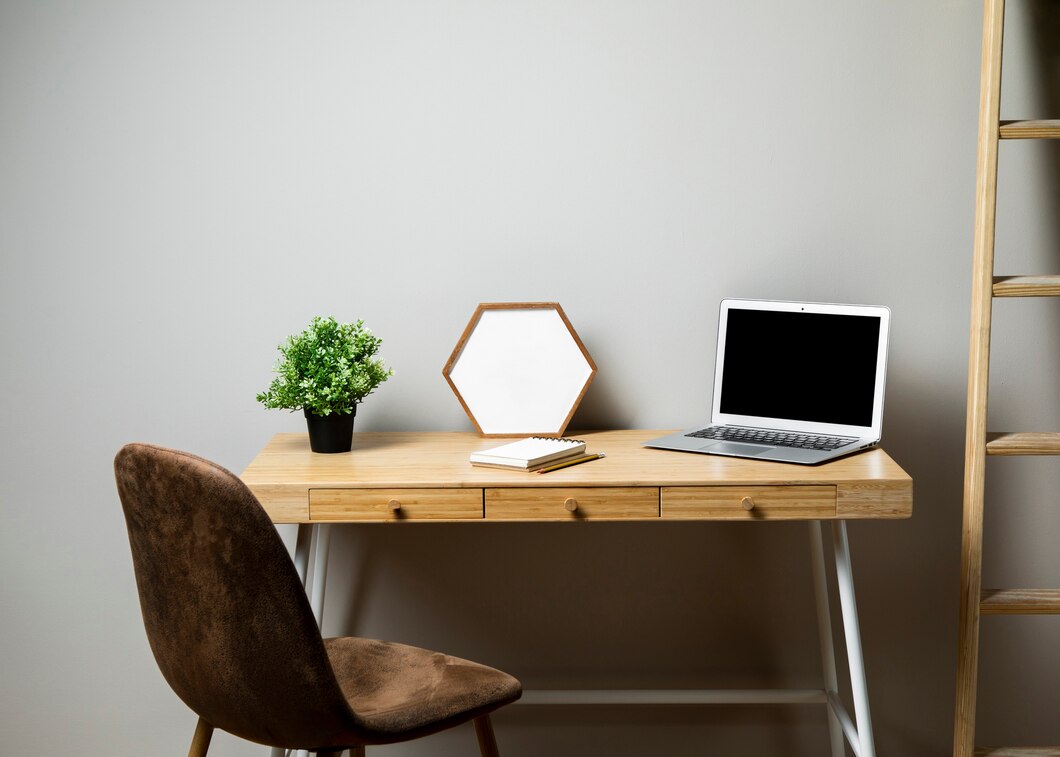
[(574, 598), (599, 605), (615, 606)]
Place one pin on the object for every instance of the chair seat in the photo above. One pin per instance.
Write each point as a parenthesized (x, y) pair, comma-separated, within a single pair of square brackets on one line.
[(395, 689)]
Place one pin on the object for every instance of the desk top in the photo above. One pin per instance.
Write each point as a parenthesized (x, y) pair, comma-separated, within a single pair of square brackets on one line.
[(868, 484)]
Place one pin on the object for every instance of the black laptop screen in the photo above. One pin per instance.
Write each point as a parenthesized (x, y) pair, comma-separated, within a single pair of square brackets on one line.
[(816, 367)]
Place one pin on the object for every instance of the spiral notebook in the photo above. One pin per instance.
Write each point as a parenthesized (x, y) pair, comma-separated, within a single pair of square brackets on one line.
[(527, 454)]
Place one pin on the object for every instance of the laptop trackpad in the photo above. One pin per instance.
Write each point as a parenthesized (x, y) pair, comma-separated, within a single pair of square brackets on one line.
[(735, 448)]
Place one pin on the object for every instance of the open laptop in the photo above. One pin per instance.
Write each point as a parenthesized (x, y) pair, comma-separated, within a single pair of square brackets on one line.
[(795, 382)]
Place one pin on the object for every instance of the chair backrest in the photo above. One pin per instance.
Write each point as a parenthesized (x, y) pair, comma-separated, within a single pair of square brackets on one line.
[(226, 616)]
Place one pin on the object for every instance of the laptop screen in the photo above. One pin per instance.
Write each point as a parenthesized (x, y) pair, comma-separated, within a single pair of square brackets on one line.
[(811, 367)]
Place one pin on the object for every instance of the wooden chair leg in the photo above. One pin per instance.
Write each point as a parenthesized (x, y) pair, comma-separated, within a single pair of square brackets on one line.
[(487, 743), (200, 742)]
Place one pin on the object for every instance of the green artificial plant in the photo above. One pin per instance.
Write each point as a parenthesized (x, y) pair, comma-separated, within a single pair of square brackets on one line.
[(326, 369)]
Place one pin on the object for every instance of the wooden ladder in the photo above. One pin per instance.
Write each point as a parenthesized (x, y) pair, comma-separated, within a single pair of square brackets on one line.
[(976, 601)]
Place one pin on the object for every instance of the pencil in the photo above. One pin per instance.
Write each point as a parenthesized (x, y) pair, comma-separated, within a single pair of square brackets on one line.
[(569, 463)]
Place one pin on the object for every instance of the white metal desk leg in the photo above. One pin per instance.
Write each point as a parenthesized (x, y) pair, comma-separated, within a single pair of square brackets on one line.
[(858, 686), (319, 546), (301, 551), (312, 545), (824, 633), (321, 543), (302, 547)]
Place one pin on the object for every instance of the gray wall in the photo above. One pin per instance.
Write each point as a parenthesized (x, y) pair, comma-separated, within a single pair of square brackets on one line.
[(183, 184)]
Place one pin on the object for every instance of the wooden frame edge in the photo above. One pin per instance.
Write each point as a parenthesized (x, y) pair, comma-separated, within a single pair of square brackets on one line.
[(470, 328)]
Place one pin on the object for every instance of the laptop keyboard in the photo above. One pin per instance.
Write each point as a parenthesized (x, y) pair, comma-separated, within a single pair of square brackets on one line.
[(775, 438)]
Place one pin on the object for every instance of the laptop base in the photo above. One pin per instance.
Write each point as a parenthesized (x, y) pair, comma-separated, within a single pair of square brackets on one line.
[(682, 442)]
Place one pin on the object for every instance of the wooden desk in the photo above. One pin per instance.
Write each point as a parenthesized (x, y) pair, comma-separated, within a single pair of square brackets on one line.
[(402, 477)]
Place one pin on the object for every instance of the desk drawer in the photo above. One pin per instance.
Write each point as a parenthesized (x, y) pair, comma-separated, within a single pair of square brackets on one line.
[(573, 503), (394, 504), (747, 502)]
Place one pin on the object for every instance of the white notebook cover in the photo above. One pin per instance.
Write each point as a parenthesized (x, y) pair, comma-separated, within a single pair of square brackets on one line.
[(529, 452)]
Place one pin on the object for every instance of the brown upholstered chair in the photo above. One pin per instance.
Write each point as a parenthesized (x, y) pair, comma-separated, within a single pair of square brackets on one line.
[(233, 633)]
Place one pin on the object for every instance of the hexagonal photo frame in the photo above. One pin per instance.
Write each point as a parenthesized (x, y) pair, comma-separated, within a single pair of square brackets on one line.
[(519, 369)]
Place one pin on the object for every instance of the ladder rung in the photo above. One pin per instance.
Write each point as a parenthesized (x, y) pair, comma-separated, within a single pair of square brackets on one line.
[(1017, 751), (1030, 129), (1027, 286), (1024, 443), (1020, 602)]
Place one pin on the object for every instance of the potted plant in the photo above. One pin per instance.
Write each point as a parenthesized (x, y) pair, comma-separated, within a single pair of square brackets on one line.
[(326, 371)]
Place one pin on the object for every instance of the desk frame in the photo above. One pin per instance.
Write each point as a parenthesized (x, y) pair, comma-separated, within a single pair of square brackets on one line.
[(875, 488)]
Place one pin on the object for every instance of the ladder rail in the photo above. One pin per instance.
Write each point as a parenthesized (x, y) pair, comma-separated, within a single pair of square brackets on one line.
[(974, 601), (978, 377)]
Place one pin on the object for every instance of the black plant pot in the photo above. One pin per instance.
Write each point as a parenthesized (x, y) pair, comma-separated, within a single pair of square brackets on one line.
[(330, 433)]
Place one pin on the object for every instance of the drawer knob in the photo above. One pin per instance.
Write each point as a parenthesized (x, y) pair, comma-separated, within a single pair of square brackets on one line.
[(747, 504), (393, 505), (571, 504)]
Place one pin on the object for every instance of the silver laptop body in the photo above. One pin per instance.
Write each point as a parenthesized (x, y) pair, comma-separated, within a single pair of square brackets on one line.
[(794, 382)]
